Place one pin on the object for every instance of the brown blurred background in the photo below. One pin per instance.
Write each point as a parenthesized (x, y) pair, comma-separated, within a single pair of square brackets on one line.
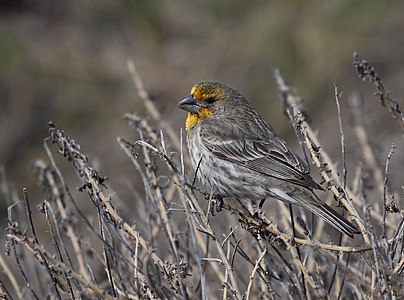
[(65, 61)]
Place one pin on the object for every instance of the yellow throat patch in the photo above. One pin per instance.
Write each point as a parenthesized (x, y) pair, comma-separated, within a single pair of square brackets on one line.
[(193, 119)]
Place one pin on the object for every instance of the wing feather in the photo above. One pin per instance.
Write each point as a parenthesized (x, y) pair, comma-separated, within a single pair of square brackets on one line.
[(261, 151)]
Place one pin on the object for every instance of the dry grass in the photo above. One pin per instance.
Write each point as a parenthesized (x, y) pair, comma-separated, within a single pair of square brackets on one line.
[(177, 249)]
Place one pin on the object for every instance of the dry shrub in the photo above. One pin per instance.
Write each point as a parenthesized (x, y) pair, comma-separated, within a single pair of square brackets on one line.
[(178, 248)]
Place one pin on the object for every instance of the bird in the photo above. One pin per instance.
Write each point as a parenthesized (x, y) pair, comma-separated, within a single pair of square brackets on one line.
[(238, 154)]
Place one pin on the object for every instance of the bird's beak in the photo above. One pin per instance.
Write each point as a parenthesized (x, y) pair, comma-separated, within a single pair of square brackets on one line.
[(189, 104)]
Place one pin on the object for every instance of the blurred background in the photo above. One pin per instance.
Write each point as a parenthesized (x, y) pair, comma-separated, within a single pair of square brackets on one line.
[(65, 61)]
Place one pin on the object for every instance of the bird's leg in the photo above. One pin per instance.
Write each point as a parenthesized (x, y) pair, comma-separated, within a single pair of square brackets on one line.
[(258, 210), (261, 203)]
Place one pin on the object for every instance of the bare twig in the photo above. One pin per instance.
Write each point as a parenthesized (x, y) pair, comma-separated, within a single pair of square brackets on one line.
[(367, 72), (56, 236), (386, 178), (153, 111), (344, 170), (250, 282)]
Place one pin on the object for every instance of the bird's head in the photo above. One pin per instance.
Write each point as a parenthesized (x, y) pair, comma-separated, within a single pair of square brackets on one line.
[(208, 99)]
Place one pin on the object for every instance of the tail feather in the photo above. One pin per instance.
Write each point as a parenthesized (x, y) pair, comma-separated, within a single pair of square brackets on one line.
[(329, 215), (311, 202)]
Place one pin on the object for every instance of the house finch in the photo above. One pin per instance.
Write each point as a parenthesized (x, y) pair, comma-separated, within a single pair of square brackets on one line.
[(238, 154)]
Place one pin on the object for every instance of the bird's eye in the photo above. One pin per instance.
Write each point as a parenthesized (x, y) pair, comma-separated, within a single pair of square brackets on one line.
[(210, 100)]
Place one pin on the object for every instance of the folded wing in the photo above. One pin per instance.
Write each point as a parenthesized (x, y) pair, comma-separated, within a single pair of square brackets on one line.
[(264, 153)]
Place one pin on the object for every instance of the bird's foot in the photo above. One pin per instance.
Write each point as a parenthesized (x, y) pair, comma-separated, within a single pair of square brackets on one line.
[(217, 204)]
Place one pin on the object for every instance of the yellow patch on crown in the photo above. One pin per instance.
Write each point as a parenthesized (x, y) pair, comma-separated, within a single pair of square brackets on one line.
[(193, 119), (206, 91)]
